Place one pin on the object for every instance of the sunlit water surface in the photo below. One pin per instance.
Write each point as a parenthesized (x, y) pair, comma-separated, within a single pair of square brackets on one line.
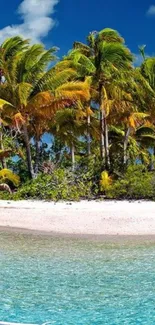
[(76, 282)]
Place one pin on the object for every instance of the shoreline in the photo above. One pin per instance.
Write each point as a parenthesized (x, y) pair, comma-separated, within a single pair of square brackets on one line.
[(107, 239), (104, 220)]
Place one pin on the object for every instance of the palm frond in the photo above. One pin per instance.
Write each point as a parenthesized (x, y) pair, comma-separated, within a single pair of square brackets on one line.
[(116, 54), (23, 91), (74, 91), (110, 36), (40, 100), (84, 49), (4, 103), (13, 45), (117, 130), (53, 79), (8, 175), (5, 153), (82, 61), (40, 65)]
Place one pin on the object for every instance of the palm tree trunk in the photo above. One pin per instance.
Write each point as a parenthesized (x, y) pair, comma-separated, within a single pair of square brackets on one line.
[(106, 144), (126, 140), (36, 167), (102, 152), (73, 156), (28, 152), (4, 165), (88, 136)]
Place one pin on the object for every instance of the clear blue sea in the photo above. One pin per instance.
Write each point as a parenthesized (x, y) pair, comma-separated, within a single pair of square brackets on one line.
[(75, 281)]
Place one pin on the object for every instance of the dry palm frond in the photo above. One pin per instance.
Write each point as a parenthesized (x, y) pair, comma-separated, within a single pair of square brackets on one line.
[(5, 153), (18, 121), (40, 100), (74, 91)]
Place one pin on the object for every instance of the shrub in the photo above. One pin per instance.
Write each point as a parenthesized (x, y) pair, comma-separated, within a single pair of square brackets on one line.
[(61, 185), (137, 183)]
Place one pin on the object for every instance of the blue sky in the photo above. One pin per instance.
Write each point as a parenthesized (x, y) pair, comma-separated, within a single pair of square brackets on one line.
[(61, 22)]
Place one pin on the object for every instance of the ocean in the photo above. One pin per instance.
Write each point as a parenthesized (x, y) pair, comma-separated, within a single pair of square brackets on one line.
[(66, 281)]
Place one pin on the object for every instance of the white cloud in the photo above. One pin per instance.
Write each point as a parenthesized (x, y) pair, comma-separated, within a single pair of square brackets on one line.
[(151, 11), (37, 20)]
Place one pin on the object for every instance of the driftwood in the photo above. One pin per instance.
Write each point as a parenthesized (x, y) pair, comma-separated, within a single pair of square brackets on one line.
[(5, 187)]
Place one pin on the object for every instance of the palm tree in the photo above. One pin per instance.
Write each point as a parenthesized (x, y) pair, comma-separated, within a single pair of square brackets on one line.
[(69, 127), (4, 153), (111, 58), (32, 89), (147, 73), (22, 65), (105, 58), (129, 123), (80, 58)]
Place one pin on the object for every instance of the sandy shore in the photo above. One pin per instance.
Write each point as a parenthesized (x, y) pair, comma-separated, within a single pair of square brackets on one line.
[(80, 218)]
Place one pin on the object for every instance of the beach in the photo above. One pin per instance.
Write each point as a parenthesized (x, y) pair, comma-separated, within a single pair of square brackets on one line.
[(95, 218)]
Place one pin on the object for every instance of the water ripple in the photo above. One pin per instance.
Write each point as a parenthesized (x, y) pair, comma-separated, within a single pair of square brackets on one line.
[(75, 282)]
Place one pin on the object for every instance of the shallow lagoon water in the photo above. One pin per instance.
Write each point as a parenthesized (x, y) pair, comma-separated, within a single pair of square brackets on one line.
[(75, 281)]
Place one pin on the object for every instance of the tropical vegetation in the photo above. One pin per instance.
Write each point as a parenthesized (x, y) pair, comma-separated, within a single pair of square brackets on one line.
[(82, 126)]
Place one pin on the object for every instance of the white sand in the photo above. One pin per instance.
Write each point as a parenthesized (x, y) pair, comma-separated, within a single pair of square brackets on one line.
[(81, 218)]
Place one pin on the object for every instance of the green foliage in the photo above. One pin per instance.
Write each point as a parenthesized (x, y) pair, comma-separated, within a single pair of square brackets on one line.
[(61, 185), (137, 183), (5, 195)]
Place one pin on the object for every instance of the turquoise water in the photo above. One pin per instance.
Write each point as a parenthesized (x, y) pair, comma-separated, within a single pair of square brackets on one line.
[(76, 282)]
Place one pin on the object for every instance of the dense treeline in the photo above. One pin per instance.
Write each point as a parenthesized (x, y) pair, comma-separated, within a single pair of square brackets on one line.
[(96, 108)]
